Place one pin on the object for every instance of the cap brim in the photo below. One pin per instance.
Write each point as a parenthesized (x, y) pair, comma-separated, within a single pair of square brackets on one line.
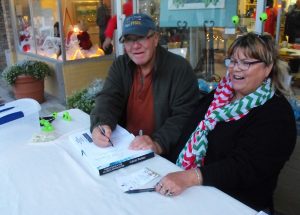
[(137, 32)]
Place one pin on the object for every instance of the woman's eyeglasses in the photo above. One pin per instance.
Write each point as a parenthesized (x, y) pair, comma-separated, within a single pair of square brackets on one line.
[(130, 40), (241, 64)]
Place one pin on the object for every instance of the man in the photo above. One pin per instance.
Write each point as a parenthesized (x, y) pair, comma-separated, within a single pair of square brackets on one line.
[(112, 25), (270, 24), (103, 17), (292, 24), (149, 91), (292, 30)]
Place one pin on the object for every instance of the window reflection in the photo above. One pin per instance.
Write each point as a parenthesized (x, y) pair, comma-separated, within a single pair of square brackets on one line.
[(84, 22), (45, 23), (39, 25), (24, 28)]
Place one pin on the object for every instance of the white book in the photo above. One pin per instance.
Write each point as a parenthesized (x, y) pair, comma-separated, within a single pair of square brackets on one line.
[(109, 158)]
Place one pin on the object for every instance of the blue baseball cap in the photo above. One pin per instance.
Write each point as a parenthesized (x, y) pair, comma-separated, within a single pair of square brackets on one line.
[(137, 24)]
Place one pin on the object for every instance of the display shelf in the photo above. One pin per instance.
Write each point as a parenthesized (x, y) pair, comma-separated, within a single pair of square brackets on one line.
[(248, 5)]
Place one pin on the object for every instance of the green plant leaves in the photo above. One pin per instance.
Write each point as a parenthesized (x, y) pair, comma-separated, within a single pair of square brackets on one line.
[(36, 69), (85, 99)]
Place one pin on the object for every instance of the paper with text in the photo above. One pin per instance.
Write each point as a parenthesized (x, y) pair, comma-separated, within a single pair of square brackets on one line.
[(108, 156), (136, 179)]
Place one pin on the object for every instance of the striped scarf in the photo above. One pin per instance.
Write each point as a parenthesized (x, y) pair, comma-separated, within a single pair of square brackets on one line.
[(219, 110)]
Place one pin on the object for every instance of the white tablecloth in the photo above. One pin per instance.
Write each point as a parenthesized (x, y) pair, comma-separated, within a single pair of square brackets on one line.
[(51, 178)]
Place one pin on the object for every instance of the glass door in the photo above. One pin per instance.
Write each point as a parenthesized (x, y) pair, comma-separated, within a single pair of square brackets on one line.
[(123, 8)]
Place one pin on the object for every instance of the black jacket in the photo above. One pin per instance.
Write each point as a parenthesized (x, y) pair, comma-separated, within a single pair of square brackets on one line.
[(175, 90), (244, 157), (292, 24)]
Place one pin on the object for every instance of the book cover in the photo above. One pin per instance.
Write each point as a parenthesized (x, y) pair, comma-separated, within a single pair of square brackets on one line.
[(109, 158)]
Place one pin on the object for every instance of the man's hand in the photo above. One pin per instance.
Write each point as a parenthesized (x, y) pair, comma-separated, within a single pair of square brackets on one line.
[(106, 43), (100, 139), (145, 142)]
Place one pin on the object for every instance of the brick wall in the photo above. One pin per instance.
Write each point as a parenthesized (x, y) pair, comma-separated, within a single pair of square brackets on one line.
[(3, 40), (6, 34)]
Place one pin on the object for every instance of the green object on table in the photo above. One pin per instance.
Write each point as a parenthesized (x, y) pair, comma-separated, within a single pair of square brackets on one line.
[(42, 122), (47, 126), (67, 116), (54, 114)]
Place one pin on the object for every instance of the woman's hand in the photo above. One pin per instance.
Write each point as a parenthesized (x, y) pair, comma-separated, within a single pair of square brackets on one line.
[(145, 142), (102, 138), (176, 182)]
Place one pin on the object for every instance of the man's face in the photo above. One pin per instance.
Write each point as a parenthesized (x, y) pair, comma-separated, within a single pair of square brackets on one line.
[(140, 49)]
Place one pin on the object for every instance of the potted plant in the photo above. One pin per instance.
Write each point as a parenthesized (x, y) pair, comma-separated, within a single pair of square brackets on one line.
[(27, 79), (85, 98)]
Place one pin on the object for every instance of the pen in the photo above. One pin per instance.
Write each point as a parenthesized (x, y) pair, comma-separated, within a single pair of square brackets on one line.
[(103, 133), (141, 190)]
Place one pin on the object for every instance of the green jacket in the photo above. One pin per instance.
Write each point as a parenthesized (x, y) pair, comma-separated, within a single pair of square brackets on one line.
[(175, 92)]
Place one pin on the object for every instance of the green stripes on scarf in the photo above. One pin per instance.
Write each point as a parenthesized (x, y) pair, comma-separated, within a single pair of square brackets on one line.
[(196, 147)]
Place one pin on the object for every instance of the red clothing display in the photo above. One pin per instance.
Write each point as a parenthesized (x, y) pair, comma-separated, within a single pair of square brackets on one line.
[(84, 40), (270, 24), (112, 23)]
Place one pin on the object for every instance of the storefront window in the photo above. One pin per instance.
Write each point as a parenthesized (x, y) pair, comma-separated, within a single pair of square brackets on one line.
[(62, 30), (70, 30), (46, 28), (24, 27), (84, 22), (196, 30), (202, 31), (247, 13)]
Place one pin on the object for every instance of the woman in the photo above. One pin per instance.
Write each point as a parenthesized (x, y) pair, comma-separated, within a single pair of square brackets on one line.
[(247, 129)]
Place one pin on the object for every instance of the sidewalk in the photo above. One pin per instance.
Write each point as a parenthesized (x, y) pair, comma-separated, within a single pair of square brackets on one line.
[(50, 105)]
